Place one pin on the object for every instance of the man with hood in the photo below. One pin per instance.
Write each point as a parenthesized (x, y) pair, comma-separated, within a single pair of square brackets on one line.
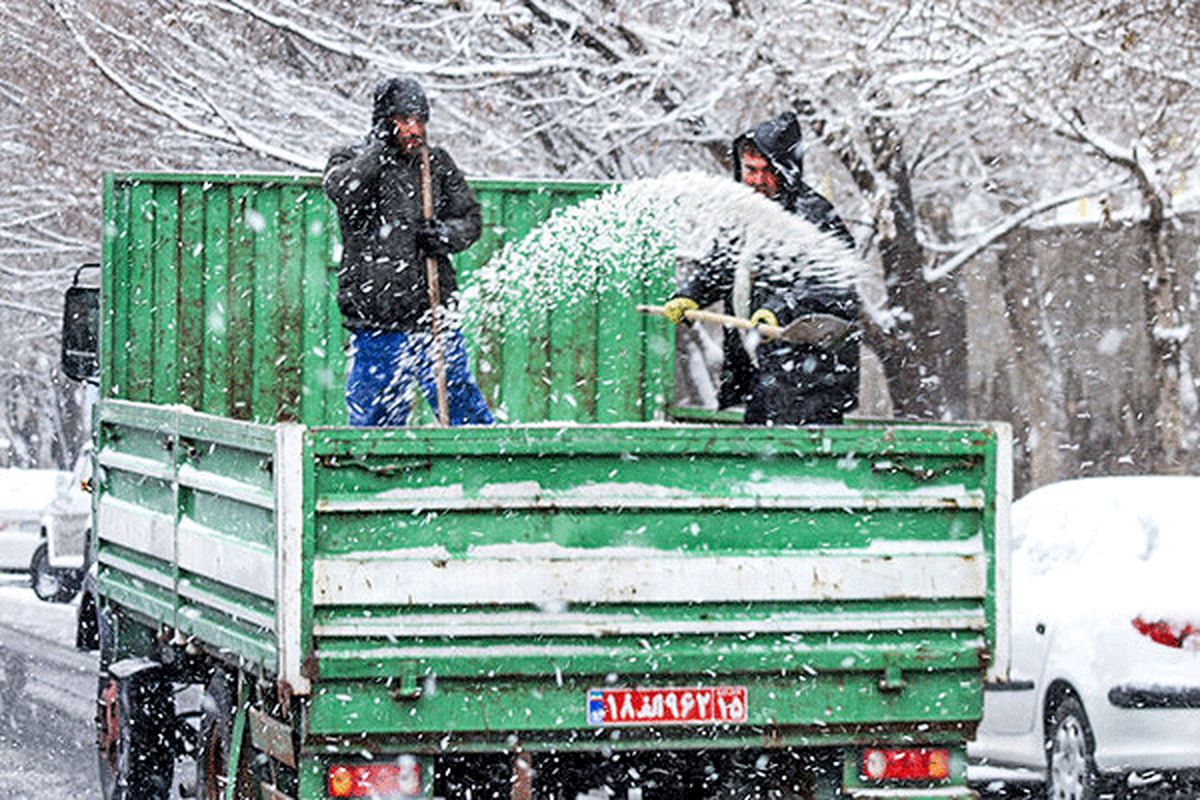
[(383, 288), (793, 383)]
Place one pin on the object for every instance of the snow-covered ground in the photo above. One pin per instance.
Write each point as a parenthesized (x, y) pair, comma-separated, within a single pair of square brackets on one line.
[(47, 743), (53, 622)]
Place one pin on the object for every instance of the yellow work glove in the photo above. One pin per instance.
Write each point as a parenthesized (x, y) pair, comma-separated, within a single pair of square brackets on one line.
[(765, 317), (676, 307)]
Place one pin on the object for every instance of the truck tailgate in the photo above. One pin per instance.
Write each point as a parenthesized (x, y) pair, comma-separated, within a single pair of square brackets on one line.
[(490, 578)]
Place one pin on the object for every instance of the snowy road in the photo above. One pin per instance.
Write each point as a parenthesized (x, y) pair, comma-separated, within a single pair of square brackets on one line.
[(46, 742)]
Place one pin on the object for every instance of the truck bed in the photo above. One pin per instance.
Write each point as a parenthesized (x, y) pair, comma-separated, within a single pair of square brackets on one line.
[(463, 586)]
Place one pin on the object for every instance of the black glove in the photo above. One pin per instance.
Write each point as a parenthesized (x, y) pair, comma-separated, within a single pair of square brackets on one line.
[(380, 152), (384, 131), (383, 143), (433, 237)]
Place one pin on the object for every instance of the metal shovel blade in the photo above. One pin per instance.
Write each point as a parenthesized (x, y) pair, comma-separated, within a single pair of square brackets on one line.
[(818, 329)]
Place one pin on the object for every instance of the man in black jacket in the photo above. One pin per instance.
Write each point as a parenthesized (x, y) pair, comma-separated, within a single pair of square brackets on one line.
[(383, 288), (793, 383)]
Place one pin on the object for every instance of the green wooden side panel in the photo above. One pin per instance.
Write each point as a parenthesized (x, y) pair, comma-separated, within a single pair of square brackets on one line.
[(140, 310), (784, 708), (217, 299), (219, 293), (186, 526), (190, 369), (388, 501)]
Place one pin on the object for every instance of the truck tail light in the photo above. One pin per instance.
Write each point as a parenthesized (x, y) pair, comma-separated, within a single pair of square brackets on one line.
[(906, 765), (381, 781), (1168, 633)]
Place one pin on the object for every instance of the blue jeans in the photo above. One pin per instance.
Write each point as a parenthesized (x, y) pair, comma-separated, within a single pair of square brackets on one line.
[(379, 388)]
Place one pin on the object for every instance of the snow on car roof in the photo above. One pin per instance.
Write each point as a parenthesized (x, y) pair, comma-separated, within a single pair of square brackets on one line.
[(25, 492), (1112, 540), (1080, 508)]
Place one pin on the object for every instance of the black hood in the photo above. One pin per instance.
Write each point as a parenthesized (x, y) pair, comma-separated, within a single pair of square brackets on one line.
[(399, 97), (780, 140)]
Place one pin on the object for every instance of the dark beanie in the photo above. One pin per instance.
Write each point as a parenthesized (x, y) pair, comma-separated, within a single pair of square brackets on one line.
[(400, 97)]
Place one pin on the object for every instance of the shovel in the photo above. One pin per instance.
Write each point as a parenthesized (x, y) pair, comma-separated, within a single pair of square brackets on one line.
[(817, 329), (435, 298)]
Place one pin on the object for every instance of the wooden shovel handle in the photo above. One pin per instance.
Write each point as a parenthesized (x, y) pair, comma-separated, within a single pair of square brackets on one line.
[(696, 315), (435, 297), (824, 330)]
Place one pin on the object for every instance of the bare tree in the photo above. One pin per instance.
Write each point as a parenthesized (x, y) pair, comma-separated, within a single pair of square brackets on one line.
[(941, 127), (1131, 102)]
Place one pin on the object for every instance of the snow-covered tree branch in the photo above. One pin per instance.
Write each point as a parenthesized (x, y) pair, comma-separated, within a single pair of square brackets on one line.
[(944, 126)]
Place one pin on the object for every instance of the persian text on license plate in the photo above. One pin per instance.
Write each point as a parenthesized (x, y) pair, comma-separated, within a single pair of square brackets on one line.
[(667, 706)]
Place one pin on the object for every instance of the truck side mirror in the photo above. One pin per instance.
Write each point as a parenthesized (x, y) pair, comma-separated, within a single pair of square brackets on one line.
[(81, 331)]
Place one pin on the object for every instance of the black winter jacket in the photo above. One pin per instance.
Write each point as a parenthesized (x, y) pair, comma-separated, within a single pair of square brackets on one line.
[(377, 190), (793, 383)]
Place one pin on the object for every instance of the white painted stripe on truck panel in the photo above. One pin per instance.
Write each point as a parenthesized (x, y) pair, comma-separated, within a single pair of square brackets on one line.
[(548, 502), (137, 465), (212, 483), (206, 598), (214, 555), (662, 578), (136, 528), (540, 649), (165, 580), (1001, 658), (289, 556), (533, 623)]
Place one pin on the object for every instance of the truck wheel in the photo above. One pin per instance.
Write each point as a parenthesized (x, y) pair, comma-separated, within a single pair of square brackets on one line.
[(1070, 767), (87, 624), (216, 732), (135, 713), (50, 584)]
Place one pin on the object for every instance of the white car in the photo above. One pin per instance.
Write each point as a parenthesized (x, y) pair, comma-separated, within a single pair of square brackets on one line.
[(24, 496), (56, 570), (1105, 680)]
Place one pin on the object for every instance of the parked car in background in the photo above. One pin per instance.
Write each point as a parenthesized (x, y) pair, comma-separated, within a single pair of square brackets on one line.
[(24, 495), (1105, 675), (56, 570)]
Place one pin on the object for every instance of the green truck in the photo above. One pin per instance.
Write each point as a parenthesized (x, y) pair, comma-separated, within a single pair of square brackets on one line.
[(608, 592)]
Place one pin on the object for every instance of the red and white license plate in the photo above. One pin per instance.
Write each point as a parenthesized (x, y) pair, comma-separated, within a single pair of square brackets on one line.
[(699, 705)]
